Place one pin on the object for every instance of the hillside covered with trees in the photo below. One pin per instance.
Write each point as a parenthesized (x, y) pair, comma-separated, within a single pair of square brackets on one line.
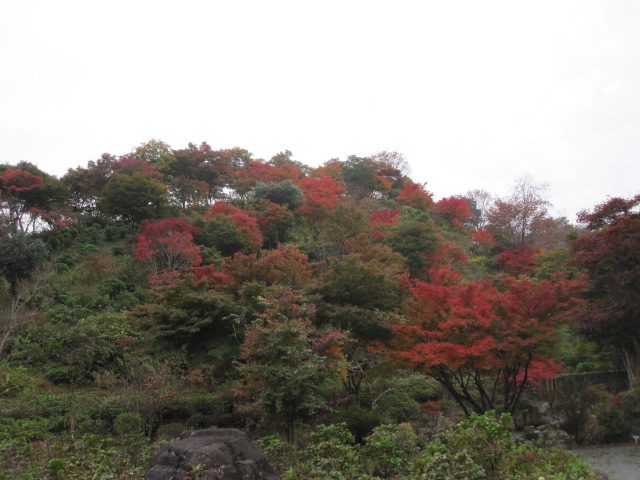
[(167, 289)]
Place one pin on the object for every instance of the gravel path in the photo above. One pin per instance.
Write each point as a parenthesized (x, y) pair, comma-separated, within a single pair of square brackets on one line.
[(617, 462)]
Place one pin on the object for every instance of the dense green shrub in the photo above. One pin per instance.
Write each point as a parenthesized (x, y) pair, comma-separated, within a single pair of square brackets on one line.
[(436, 462), (112, 232), (359, 420), (170, 431), (81, 412), (630, 402), (390, 449), (281, 454), (613, 425), (332, 455), (128, 423), (398, 407), (68, 259), (71, 457), (478, 448)]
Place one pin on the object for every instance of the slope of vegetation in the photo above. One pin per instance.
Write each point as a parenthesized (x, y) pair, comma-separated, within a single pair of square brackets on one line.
[(169, 289)]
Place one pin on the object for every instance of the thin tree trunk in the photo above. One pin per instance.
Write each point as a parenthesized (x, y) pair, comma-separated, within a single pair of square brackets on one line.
[(631, 360)]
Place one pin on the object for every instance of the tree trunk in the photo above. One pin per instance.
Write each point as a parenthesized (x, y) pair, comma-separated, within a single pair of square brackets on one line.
[(631, 360)]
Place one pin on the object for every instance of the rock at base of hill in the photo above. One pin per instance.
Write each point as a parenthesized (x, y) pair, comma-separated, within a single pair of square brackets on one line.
[(215, 454)]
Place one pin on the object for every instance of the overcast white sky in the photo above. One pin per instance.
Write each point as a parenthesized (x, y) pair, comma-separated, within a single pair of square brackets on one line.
[(473, 93)]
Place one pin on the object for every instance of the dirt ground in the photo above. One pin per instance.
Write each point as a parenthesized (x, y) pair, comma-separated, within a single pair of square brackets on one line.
[(617, 462)]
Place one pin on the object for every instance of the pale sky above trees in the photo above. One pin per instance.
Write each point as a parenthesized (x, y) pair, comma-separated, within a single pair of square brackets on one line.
[(472, 93)]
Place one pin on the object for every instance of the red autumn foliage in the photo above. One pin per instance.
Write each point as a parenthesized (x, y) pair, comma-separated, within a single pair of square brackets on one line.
[(331, 168), (448, 254), (247, 224), (273, 221), (167, 245), (484, 239), (15, 181), (257, 171), (431, 407), (285, 265), (386, 216), (381, 220), (128, 165), (518, 261), (610, 255), (215, 279), (415, 195), (323, 192), (478, 334), (454, 209)]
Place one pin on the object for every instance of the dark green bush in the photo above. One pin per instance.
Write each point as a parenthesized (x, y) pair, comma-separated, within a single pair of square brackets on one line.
[(399, 407), (170, 431), (359, 420), (128, 423), (613, 426), (68, 259)]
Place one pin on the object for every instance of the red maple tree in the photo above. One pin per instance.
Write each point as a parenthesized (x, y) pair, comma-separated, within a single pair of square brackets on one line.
[(611, 257), (415, 195), (14, 185), (519, 261), (453, 209), (484, 344), (167, 246)]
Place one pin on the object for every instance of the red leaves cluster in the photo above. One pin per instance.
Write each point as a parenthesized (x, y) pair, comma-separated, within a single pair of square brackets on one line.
[(16, 180), (247, 224), (518, 261), (611, 258), (128, 165), (484, 239), (331, 168), (323, 192), (168, 246), (285, 265), (386, 216), (416, 196), (454, 209), (479, 327), (381, 220), (258, 171)]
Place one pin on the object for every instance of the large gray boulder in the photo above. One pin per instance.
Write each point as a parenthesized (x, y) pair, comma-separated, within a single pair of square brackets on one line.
[(219, 454)]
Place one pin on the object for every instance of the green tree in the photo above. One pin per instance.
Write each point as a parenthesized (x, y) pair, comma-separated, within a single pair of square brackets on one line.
[(133, 198), (414, 237), (20, 255), (157, 153), (220, 233), (283, 379), (282, 193), (85, 184), (187, 315)]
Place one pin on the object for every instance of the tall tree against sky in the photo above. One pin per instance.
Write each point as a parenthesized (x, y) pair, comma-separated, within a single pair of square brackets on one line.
[(133, 198), (15, 185), (611, 257), (514, 218)]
